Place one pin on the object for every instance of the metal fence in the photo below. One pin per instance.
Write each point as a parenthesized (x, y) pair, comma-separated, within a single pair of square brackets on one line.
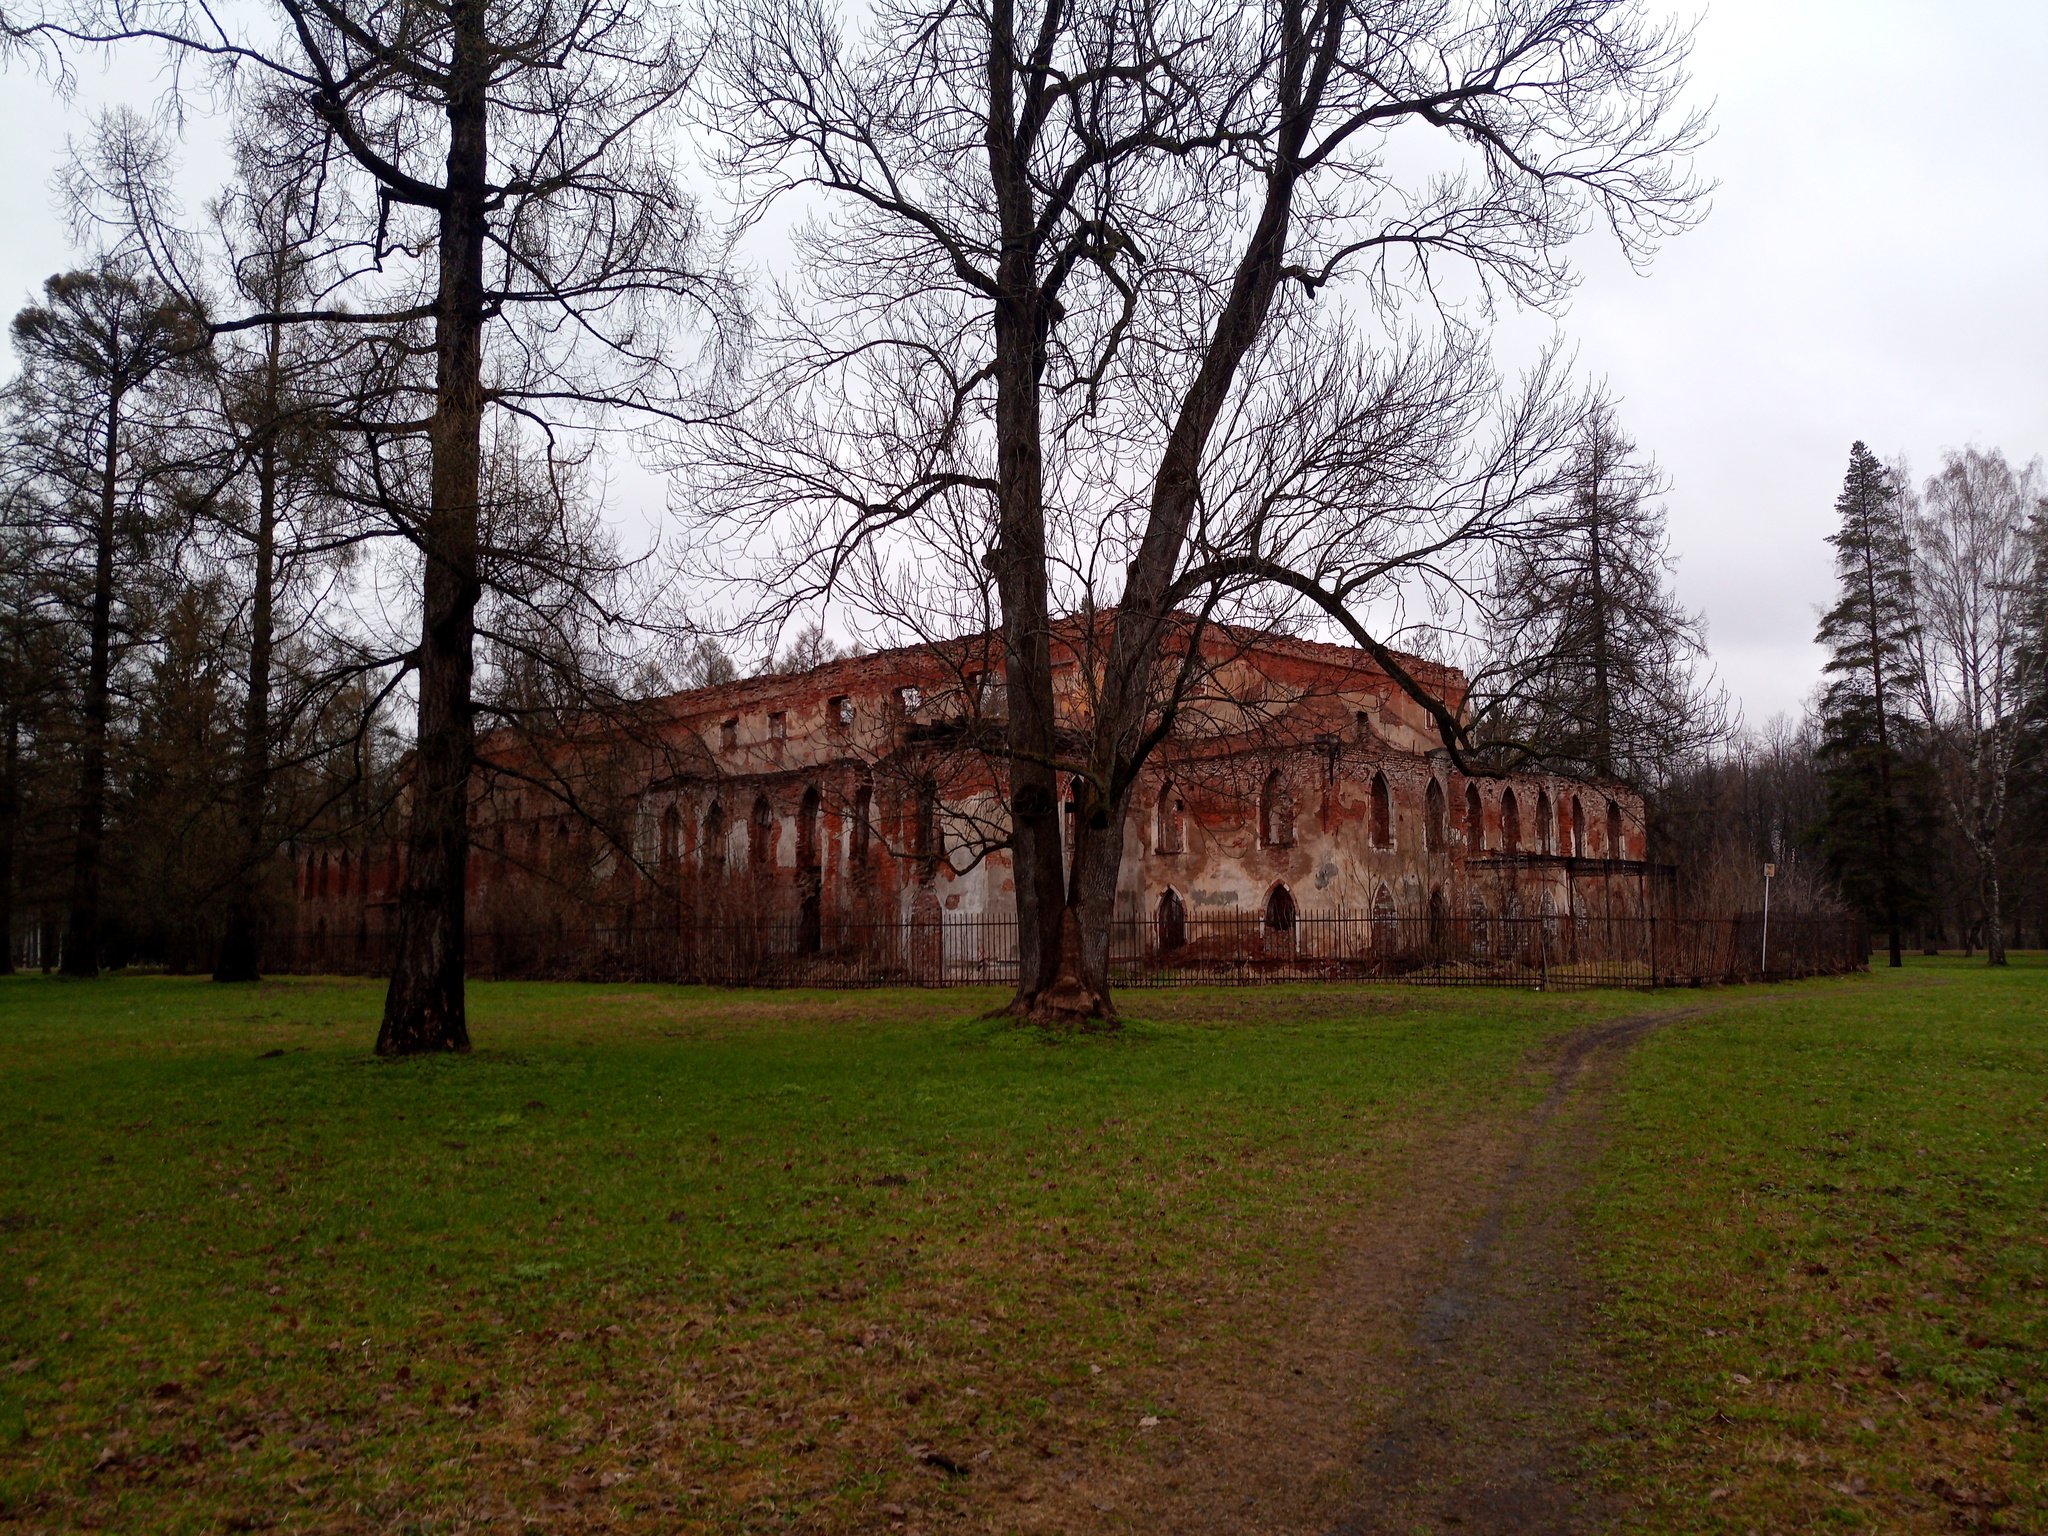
[(1550, 952)]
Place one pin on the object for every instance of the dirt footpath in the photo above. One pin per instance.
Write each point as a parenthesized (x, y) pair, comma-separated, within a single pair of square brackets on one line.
[(1442, 1377)]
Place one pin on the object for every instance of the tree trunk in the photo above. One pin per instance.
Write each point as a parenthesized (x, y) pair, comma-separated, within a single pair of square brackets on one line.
[(1994, 914), (1019, 559), (241, 947), (10, 831), (82, 936), (424, 1007)]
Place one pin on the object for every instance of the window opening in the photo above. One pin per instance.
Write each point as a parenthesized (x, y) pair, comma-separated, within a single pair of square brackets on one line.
[(1173, 921), (1171, 835), (1276, 812), (1382, 812)]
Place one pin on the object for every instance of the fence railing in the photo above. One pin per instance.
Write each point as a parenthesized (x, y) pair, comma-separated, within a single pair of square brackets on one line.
[(949, 951)]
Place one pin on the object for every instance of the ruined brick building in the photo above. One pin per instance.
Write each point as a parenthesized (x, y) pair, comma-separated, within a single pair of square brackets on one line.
[(803, 813)]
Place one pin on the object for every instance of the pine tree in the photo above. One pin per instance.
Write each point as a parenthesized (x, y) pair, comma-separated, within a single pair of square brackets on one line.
[(1592, 662), (1877, 829)]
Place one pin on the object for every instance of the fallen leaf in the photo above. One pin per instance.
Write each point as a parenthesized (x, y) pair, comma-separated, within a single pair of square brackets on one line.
[(1148, 1422)]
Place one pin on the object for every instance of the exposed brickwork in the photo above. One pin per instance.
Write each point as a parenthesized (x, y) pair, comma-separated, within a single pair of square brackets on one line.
[(866, 790)]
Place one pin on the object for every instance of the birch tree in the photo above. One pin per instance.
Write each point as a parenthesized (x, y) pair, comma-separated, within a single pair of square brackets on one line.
[(1975, 672)]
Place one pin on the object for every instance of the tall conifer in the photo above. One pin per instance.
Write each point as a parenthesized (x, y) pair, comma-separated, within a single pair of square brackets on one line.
[(1877, 829)]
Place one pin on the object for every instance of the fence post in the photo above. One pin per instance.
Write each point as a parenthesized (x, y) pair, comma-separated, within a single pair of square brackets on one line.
[(1653, 951)]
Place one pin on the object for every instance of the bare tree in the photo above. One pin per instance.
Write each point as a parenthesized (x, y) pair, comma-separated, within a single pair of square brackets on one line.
[(1075, 271), (1974, 673), (509, 239)]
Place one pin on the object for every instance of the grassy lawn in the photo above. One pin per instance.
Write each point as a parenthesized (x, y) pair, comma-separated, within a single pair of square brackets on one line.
[(660, 1259), (1825, 1217)]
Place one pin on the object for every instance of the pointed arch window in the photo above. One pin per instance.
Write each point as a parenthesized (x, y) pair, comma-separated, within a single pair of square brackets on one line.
[(714, 837), (1475, 820), (1386, 923), (931, 837), (1578, 830), (1172, 921), (1544, 835), (1170, 830), (860, 834), (807, 829), (1276, 812), (1613, 830), (1510, 823), (1280, 913), (669, 844), (761, 834), (1382, 812), (1435, 833)]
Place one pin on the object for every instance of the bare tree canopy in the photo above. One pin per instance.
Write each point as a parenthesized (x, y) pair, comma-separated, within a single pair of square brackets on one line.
[(1163, 313)]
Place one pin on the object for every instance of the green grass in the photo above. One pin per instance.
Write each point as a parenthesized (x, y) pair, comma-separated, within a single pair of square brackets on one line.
[(655, 1258), (1825, 1217)]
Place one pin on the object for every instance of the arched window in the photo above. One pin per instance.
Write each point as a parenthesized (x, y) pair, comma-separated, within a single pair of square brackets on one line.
[(1170, 831), (714, 837), (1386, 925), (1434, 832), (670, 841), (343, 866), (1578, 833), (761, 834), (1280, 913), (1543, 830), (1276, 813), (930, 836), (807, 830), (1613, 830), (859, 835), (1510, 823), (1475, 820), (1382, 812), (1173, 921)]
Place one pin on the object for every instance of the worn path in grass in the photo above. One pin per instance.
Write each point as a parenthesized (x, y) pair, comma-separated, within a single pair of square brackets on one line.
[(1446, 1374)]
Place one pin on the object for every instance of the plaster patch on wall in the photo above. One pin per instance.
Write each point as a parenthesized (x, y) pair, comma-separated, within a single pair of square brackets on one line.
[(1325, 875), (1213, 898)]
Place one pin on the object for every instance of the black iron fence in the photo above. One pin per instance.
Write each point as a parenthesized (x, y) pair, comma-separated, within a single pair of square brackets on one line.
[(949, 951)]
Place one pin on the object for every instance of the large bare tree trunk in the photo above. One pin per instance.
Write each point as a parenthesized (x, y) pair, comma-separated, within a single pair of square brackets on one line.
[(82, 936), (424, 1008), (1018, 561)]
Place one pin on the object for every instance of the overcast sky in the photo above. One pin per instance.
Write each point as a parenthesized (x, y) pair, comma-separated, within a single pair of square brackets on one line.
[(1875, 267)]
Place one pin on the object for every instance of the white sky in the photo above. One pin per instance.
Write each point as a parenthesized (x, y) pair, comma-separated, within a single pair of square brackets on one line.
[(1875, 266)]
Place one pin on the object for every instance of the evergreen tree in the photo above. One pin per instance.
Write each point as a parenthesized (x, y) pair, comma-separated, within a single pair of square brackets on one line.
[(1592, 663), (1877, 828)]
